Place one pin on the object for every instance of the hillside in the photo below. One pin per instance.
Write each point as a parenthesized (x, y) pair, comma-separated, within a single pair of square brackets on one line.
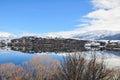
[(98, 35)]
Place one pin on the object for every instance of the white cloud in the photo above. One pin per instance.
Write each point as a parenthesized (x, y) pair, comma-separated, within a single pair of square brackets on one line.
[(105, 4), (106, 16)]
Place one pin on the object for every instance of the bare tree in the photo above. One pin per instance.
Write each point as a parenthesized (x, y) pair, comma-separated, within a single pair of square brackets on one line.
[(12, 72), (116, 74), (42, 67), (77, 67)]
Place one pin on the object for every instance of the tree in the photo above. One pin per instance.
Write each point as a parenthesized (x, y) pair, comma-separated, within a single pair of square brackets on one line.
[(77, 67)]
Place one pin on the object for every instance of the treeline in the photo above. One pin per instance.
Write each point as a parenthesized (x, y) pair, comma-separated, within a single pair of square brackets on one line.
[(33, 44), (73, 67)]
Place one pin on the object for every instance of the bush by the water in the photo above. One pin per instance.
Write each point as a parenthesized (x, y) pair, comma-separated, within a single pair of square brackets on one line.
[(73, 67)]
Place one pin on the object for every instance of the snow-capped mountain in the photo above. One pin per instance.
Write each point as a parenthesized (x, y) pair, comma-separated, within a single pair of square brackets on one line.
[(88, 35), (113, 37), (99, 35), (6, 36)]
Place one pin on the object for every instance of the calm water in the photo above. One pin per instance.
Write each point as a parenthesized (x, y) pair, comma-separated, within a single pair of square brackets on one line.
[(7, 56)]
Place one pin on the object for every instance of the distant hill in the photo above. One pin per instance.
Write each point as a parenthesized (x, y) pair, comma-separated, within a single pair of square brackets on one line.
[(6, 36), (98, 35), (113, 37)]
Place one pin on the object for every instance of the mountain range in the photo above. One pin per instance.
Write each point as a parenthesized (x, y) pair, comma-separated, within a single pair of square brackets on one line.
[(98, 35), (113, 37), (90, 35)]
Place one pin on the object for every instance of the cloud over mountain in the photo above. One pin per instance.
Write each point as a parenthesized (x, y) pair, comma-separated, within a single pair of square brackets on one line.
[(105, 16), (103, 20)]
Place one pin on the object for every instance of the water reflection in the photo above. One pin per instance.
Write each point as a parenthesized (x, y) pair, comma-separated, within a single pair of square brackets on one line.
[(24, 54), (32, 49), (14, 57)]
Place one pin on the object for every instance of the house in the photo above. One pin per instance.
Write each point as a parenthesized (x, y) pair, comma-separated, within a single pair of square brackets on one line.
[(115, 42), (92, 44)]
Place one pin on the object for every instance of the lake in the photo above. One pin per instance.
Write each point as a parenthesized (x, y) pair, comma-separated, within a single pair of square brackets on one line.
[(9, 56)]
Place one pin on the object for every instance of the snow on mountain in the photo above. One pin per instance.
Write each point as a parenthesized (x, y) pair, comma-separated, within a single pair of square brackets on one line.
[(113, 37), (83, 35), (98, 35), (6, 36)]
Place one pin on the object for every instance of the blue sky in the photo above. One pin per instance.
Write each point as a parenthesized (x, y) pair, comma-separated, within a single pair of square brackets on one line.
[(42, 16)]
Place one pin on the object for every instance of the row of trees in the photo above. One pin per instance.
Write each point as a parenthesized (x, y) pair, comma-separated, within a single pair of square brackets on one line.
[(35, 44), (73, 67)]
